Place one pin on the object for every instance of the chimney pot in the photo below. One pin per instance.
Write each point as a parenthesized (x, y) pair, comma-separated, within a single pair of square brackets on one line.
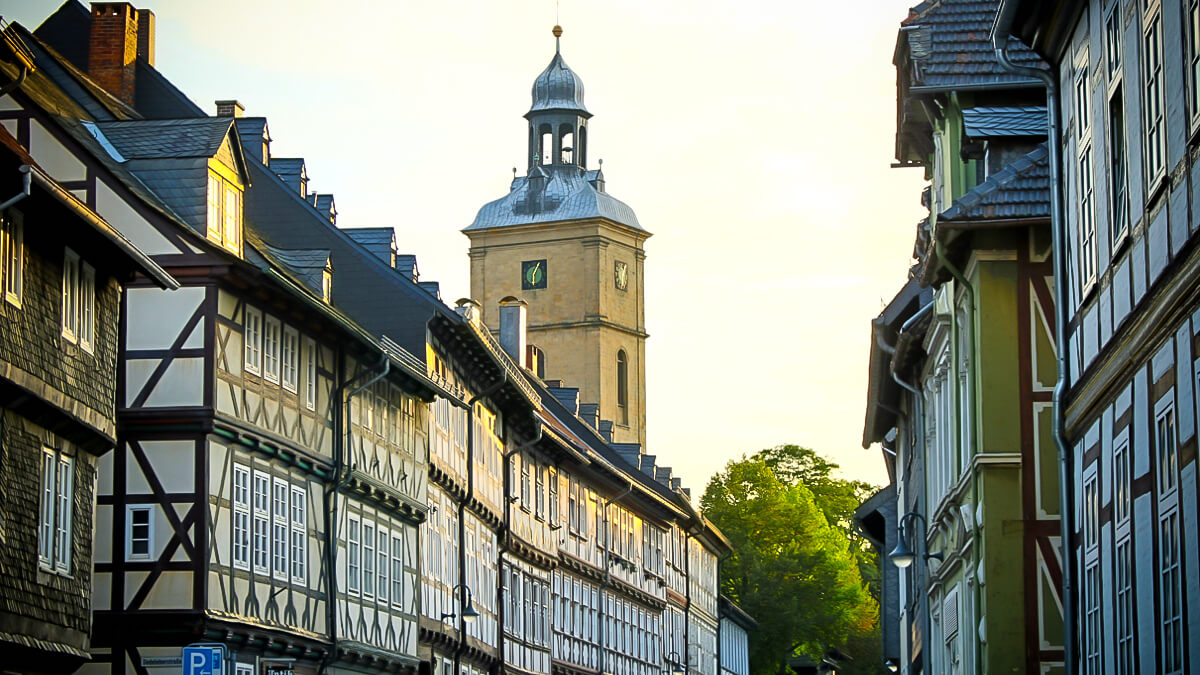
[(230, 108), (145, 36)]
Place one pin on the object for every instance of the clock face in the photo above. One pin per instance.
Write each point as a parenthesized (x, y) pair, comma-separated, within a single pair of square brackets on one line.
[(621, 272), (533, 275)]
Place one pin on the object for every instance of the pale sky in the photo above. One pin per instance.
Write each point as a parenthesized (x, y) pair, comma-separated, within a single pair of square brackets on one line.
[(752, 138)]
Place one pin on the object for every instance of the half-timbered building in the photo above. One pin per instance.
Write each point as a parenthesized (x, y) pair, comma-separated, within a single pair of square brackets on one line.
[(1124, 77), (63, 268)]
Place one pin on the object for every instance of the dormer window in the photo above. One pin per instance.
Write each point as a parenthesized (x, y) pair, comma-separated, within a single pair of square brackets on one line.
[(224, 212)]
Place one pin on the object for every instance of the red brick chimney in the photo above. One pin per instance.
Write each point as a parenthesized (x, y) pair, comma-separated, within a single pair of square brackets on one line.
[(119, 35)]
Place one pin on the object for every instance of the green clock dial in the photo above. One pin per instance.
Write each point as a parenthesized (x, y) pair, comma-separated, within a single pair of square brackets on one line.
[(533, 274)]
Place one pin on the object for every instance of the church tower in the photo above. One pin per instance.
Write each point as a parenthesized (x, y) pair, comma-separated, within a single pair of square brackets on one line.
[(574, 254)]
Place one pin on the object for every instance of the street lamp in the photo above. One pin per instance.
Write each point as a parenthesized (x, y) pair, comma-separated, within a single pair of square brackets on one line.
[(469, 613), (892, 665), (673, 659), (902, 555)]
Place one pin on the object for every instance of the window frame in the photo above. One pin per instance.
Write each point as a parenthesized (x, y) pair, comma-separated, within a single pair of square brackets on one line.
[(397, 560), (289, 368), (1085, 170), (1152, 91), (241, 509), (56, 511), (260, 510), (310, 373), (1192, 37), (223, 222), (298, 551), (70, 304), (12, 257), (130, 538), (252, 336), (272, 356), (1167, 533), (354, 556)]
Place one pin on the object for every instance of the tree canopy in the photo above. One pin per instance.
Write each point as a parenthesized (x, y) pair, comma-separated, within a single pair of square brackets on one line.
[(796, 567)]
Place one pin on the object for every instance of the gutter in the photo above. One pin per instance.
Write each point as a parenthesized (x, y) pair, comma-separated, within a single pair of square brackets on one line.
[(1000, 34)]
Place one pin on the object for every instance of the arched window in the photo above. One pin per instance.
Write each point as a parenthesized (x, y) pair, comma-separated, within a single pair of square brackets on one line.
[(581, 147), (566, 143), (546, 146), (622, 387)]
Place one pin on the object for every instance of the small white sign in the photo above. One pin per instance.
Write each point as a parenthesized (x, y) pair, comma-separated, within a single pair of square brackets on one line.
[(161, 661)]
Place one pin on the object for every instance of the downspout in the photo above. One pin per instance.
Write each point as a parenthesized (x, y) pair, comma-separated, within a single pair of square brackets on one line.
[(971, 418), (1000, 32), (607, 568), (504, 543), (26, 182), (687, 603), (918, 418), (340, 476), (462, 513)]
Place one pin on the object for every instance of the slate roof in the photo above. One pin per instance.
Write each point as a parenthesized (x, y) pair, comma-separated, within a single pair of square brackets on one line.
[(997, 121), (956, 35), (305, 265), (377, 240), (568, 195), (254, 134), (163, 139), (558, 87), (406, 263), (1019, 190)]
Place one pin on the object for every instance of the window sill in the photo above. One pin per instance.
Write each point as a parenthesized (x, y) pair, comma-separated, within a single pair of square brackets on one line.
[(1121, 243)]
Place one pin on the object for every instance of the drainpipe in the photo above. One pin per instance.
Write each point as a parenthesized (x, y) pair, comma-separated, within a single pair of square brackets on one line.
[(504, 543), (26, 181), (607, 568), (1000, 32), (917, 418), (462, 514), (971, 418), (340, 477)]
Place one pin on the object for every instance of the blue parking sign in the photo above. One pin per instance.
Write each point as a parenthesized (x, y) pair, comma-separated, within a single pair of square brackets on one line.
[(203, 659)]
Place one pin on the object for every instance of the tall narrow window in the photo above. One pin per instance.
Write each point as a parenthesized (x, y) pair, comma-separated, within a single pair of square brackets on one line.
[(58, 498), (252, 334), (1152, 93), (1122, 559), (381, 587), (310, 374), (271, 340), (224, 213), (1170, 609), (279, 529), (291, 358), (87, 308), (241, 517), (397, 569), (12, 256), (368, 577), (1193, 27), (622, 387), (70, 296), (299, 550), (1084, 169), (139, 532), (353, 556), (262, 522), (1092, 631)]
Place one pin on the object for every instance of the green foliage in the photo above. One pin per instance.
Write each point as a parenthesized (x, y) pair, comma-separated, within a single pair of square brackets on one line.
[(796, 567)]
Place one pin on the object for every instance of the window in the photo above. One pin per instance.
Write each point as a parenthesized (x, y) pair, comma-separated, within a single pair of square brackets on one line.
[(540, 494), (252, 333), (1152, 93), (58, 497), (299, 536), (224, 213), (397, 569), (12, 256), (271, 349), (1092, 635), (241, 517), (326, 285), (381, 587), (291, 358), (1170, 610), (368, 577), (1084, 168), (553, 500), (262, 522), (353, 557), (525, 496), (622, 387), (139, 533), (1193, 40), (310, 374), (78, 301)]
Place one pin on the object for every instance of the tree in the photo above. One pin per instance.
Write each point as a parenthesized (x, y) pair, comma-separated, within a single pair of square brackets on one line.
[(793, 565)]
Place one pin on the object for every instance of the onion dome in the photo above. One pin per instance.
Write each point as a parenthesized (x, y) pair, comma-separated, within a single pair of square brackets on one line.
[(558, 87)]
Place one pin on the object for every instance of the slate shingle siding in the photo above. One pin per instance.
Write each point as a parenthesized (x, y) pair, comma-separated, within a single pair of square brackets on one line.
[(31, 336), (35, 603)]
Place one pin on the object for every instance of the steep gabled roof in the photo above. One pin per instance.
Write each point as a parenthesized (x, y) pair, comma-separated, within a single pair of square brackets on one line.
[(167, 139), (1019, 190)]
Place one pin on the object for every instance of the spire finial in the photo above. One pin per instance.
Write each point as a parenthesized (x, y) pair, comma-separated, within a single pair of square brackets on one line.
[(557, 34)]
